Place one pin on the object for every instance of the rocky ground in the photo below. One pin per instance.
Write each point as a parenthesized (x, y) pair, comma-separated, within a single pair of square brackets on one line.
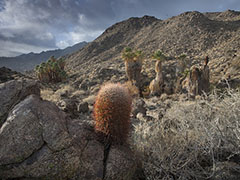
[(39, 141)]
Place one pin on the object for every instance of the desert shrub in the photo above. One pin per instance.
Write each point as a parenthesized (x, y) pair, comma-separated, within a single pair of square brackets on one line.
[(191, 139), (51, 71)]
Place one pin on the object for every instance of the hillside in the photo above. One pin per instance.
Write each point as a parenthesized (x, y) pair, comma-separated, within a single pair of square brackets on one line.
[(28, 61), (193, 33)]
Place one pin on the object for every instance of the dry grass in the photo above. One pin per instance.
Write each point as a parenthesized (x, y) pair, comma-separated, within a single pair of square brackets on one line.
[(236, 63), (191, 139), (49, 95), (55, 96)]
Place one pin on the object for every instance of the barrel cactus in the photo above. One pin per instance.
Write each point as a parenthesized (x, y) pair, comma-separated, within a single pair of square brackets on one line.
[(112, 113)]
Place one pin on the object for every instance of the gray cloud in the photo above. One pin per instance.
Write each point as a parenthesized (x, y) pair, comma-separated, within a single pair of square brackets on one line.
[(35, 25)]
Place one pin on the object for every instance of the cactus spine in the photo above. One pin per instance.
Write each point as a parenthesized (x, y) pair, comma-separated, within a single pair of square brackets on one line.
[(112, 112)]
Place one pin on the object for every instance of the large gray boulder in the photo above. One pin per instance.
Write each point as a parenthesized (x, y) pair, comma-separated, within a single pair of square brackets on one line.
[(39, 141), (12, 92), (34, 141), (120, 164)]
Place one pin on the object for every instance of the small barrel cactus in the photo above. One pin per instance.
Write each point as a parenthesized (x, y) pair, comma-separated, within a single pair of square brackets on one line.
[(112, 112)]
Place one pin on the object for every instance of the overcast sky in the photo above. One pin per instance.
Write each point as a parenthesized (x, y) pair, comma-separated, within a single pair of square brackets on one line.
[(37, 25)]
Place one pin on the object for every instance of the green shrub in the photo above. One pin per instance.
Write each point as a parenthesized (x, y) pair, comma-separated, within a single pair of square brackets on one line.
[(51, 71)]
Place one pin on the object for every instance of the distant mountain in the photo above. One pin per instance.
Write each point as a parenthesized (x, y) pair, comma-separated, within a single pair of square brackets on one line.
[(26, 62)]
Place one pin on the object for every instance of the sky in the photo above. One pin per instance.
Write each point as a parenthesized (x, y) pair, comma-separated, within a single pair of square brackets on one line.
[(40, 25)]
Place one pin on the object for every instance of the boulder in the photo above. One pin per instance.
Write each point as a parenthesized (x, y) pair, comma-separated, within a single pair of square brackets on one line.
[(12, 92), (120, 164), (34, 141), (39, 141)]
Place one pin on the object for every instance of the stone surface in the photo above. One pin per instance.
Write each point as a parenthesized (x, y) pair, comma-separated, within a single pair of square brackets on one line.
[(34, 141), (120, 165), (12, 92), (7, 74), (69, 106), (39, 141)]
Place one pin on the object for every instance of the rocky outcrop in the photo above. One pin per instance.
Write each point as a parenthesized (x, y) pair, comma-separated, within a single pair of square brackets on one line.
[(12, 92), (7, 74), (34, 141), (39, 141)]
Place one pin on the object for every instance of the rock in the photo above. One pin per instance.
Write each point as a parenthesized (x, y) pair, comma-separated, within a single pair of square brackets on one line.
[(34, 141), (39, 141), (12, 92), (83, 107), (120, 165), (139, 107), (92, 151), (7, 74), (69, 106)]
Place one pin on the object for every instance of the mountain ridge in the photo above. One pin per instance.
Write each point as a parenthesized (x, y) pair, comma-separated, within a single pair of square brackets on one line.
[(28, 61), (192, 33)]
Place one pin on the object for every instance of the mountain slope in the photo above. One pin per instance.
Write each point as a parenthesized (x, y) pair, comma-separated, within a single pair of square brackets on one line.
[(28, 61), (193, 33)]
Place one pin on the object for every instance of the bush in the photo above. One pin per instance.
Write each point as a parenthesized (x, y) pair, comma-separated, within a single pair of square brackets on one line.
[(51, 71), (191, 139)]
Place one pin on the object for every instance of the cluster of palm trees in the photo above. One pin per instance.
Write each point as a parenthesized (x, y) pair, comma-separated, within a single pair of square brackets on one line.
[(51, 71), (133, 63)]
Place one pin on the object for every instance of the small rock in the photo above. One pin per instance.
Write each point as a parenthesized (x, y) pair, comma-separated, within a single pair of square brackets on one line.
[(139, 107), (69, 106), (83, 107)]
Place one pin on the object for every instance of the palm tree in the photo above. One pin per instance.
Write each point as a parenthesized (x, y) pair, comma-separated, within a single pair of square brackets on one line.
[(158, 55)]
